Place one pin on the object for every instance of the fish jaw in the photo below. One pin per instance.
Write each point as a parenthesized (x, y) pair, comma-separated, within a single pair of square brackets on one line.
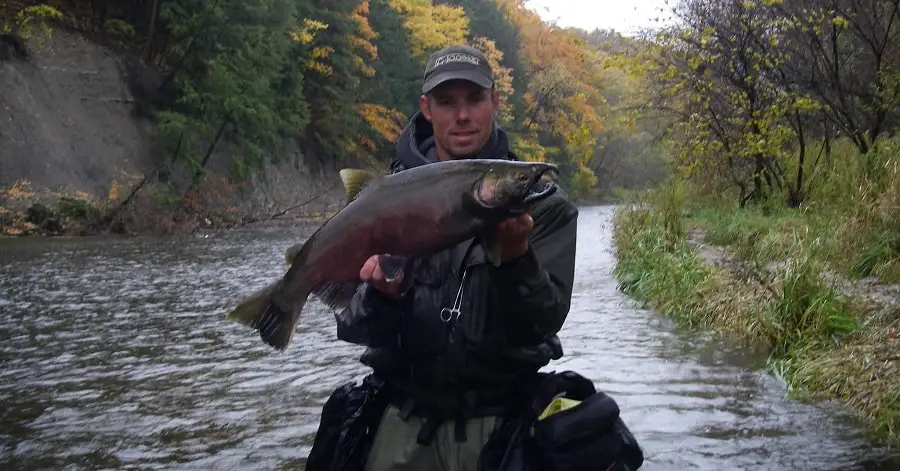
[(513, 188), (534, 196)]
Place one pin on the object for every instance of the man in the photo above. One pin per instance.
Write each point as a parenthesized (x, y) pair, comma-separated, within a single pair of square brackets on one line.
[(450, 378)]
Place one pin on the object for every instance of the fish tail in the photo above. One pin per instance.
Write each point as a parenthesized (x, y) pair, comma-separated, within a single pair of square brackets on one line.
[(275, 324)]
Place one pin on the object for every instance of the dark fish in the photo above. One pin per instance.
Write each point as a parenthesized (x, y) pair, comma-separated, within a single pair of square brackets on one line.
[(409, 214)]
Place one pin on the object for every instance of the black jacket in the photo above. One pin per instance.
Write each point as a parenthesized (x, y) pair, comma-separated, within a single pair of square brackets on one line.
[(509, 314)]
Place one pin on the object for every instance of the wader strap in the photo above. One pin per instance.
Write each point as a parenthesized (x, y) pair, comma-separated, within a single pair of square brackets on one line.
[(428, 430), (459, 430), (408, 405)]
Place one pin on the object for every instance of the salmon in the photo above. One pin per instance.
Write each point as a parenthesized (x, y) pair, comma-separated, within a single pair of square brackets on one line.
[(409, 214)]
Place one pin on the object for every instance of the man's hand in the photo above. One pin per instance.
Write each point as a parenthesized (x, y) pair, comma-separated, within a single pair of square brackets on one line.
[(371, 273), (511, 237)]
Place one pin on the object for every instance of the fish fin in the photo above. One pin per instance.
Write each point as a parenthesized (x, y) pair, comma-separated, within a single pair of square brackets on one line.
[(250, 309), (336, 295), (260, 311), (291, 253), (355, 180)]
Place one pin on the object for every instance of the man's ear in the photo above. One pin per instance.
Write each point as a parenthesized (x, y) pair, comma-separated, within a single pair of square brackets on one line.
[(424, 107)]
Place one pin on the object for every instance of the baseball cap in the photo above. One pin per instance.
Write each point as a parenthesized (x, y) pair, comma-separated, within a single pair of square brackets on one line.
[(457, 63)]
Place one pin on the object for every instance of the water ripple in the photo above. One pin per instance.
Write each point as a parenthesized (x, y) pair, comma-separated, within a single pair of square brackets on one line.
[(116, 356)]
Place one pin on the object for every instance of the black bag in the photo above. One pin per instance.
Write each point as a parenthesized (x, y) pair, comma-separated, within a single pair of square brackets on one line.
[(589, 436), (347, 428)]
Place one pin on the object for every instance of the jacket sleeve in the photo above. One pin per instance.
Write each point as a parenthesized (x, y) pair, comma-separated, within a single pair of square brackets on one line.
[(536, 288), (370, 319)]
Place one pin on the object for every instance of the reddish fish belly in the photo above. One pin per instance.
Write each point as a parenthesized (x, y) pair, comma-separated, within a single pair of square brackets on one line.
[(412, 233)]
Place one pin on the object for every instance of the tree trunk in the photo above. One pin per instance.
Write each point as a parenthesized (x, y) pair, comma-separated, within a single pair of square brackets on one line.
[(760, 168), (151, 32), (210, 150)]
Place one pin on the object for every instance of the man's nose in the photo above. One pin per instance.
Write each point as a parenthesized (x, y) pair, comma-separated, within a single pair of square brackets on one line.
[(462, 112)]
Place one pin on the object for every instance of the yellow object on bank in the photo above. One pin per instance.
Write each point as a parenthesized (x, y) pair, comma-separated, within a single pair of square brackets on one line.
[(556, 405)]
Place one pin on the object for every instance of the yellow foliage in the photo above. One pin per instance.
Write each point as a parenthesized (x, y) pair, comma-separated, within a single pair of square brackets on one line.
[(364, 42), (20, 189), (583, 182), (319, 52), (22, 24), (306, 33), (113, 193), (431, 27), (387, 122), (528, 148), (502, 75), (368, 143)]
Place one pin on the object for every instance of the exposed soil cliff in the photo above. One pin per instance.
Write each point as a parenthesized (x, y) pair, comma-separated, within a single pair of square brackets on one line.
[(77, 136), (67, 119)]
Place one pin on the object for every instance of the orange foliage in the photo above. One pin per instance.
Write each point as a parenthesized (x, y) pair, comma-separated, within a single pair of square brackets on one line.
[(387, 122), (364, 41)]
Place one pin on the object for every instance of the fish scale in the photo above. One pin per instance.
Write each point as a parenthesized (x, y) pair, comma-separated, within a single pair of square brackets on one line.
[(409, 214)]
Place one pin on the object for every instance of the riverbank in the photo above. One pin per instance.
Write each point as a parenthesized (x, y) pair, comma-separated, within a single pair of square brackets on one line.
[(157, 209), (773, 279)]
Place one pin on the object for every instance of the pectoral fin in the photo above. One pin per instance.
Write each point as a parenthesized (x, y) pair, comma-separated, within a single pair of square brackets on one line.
[(336, 295)]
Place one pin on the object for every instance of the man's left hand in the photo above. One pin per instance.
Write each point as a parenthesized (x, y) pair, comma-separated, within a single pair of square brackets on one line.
[(511, 237)]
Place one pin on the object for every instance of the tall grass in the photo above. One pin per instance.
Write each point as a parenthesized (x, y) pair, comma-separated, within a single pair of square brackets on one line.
[(852, 206), (658, 267), (776, 295)]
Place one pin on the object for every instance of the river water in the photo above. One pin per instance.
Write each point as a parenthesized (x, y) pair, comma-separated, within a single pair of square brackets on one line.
[(115, 355)]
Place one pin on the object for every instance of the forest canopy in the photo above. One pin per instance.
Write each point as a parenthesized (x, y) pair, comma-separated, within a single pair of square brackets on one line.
[(340, 79)]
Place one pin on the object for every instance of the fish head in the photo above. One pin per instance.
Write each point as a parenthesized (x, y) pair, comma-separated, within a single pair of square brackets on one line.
[(514, 185)]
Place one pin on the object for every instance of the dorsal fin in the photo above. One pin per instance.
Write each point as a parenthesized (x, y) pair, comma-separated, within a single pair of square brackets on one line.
[(355, 180), (291, 253)]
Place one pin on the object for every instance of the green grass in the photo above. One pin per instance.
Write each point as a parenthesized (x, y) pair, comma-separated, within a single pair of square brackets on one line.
[(824, 344)]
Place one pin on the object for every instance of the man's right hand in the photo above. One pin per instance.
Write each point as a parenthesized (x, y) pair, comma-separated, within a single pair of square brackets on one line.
[(371, 273)]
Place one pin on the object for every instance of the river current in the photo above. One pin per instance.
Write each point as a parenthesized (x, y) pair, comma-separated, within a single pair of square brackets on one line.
[(116, 355)]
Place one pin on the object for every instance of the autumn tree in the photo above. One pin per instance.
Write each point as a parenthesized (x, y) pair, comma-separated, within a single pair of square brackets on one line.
[(846, 53), (752, 83), (343, 52), (240, 82), (431, 27), (486, 20)]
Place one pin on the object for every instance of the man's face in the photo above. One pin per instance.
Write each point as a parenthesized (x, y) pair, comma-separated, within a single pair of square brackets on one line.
[(462, 115)]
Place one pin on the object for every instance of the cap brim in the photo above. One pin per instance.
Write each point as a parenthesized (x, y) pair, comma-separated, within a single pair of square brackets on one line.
[(473, 76)]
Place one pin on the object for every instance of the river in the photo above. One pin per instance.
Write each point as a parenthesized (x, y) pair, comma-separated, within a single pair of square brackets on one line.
[(116, 355)]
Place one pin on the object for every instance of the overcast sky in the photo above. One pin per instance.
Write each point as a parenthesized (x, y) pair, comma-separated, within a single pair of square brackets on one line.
[(625, 16)]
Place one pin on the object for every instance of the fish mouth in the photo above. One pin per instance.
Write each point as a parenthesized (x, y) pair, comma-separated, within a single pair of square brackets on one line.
[(535, 194)]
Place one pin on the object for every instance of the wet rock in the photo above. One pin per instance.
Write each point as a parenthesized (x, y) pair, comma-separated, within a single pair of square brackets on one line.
[(44, 219), (38, 213), (7, 219)]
